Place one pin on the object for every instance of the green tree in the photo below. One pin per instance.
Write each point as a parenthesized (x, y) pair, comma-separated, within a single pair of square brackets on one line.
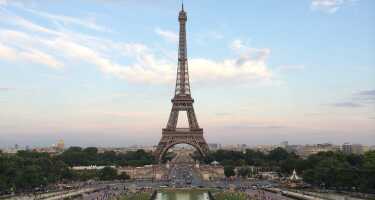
[(368, 173), (30, 177), (107, 173), (85, 175), (369, 160), (91, 151), (244, 172), (279, 154), (256, 158), (123, 176), (229, 171)]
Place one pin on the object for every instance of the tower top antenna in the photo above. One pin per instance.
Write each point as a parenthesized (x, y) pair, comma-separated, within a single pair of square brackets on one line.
[(182, 5)]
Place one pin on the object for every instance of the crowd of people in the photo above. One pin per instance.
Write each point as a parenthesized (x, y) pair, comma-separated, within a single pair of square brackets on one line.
[(106, 194), (258, 194)]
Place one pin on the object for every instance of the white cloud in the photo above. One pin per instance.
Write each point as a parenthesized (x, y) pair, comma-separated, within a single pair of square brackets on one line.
[(26, 24), (228, 70), (145, 70), (35, 56), (7, 53), (141, 63), (167, 35), (250, 65), (329, 6), (87, 23), (247, 53), (3, 2), (237, 44), (41, 58)]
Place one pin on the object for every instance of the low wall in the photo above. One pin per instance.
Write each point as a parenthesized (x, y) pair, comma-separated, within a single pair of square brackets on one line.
[(210, 196), (153, 196)]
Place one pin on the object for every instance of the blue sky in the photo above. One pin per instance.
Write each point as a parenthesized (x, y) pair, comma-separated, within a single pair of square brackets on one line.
[(102, 72)]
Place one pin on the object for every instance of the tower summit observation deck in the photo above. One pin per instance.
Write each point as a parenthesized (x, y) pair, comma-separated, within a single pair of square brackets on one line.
[(182, 101)]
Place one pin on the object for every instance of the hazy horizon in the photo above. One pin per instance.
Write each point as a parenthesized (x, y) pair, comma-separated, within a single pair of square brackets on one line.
[(102, 73)]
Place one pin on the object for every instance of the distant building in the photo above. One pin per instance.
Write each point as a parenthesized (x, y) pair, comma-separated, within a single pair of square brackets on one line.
[(284, 144), (366, 148), (90, 167), (214, 146), (307, 150), (265, 148), (147, 172), (235, 147), (348, 148), (50, 150), (270, 175), (122, 150), (211, 172), (60, 145), (12, 150), (357, 149)]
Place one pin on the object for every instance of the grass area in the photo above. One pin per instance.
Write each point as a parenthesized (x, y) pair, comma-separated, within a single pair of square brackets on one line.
[(187, 189), (137, 196), (230, 196)]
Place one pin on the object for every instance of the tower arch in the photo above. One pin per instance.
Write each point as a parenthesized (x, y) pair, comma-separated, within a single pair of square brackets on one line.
[(196, 146)]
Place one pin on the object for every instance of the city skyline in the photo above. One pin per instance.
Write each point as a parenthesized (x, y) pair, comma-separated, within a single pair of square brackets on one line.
[(105, 75)]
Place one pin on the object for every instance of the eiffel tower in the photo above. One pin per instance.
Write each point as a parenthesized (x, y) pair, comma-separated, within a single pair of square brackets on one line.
[(182, 101)]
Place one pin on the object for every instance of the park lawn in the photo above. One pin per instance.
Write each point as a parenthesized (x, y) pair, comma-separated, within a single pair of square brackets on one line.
[(137, 196), (230, 196)]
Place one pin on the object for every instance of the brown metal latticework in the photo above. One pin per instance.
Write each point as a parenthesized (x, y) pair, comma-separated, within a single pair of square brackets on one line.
[(182, 101)]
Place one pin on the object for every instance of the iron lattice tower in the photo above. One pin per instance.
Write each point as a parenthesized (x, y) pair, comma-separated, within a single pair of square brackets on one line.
[(182, 101)]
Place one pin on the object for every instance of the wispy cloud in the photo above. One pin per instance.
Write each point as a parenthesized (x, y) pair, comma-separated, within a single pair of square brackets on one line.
[(31, 55), (329, 6), (346, 104), (367, 94), (3, 2), (249, 53), (255, 126), (5, 88), (10, 18), (38, 56), (167, 35), (53, 47), (358, 99), (87, 23)]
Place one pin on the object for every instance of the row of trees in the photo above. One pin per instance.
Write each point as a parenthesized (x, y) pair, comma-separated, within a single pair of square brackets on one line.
[(325, 169), (76, 156), (27, 170), (105, 174)]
